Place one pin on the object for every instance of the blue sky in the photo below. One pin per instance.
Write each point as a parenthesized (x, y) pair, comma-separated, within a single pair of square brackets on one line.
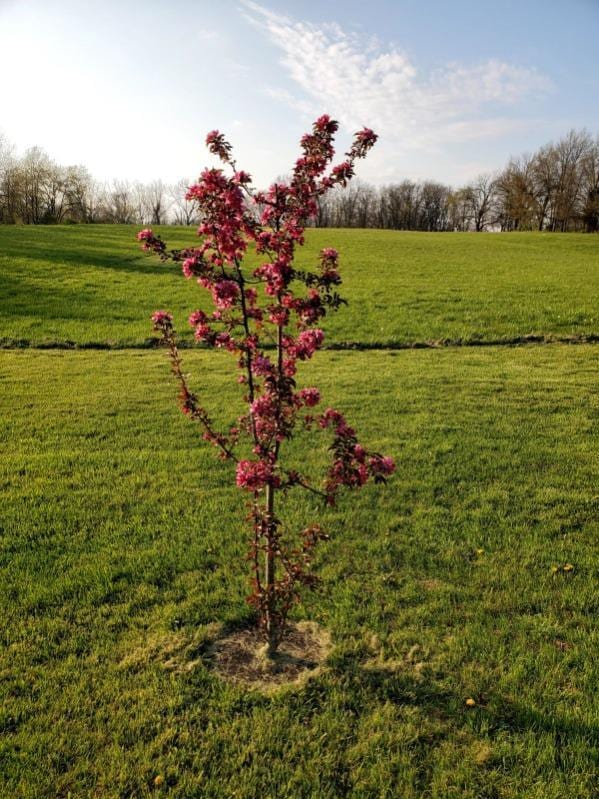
[(130, 88)]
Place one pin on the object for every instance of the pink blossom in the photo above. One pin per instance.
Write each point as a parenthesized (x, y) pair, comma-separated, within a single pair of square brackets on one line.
[(264, 413), (262, 366), (362, 474), (197, 317), (380, 465), (279, 316), (359, 453), (151, 242), (225, 293), (329, 254), (289, 368), (276, 276), (216, 143), (203, 332), (343, 172), (255, 475), (263, 406), (310, 309), (306, 344), (162, 318), (224, 340), (363, 140), (326, 124), (242, 177), (336, 420), (309, 397), (188, 267)]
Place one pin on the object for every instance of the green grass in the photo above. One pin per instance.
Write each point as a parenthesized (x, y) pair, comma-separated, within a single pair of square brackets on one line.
[(121, 543), (92, 285), (122, 538)]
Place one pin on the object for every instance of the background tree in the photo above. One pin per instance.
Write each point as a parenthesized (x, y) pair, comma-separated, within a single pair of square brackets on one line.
[(480, 202), (185, 210), (515, 195), (553, 189), (590, 188)]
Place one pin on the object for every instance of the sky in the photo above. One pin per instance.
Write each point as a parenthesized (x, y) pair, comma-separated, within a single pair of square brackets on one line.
[(130, 88)]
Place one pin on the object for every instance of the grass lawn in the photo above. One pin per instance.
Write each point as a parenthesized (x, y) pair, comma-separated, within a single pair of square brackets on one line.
[(122, 540), (92, 285)]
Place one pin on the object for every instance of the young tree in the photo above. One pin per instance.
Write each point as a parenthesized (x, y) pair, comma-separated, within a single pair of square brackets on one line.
[(274, 305)]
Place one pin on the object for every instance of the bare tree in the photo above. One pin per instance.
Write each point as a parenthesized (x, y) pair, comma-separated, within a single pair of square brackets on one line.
[(81, 194), (185, 212), (158, 202), (516, 200), (480, 196), (434, 211), (570, 152), (120, 203), (35, 170), (8, 200), (590, 188)]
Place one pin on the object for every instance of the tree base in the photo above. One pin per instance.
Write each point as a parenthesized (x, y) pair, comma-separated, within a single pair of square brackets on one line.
[(243, 657)]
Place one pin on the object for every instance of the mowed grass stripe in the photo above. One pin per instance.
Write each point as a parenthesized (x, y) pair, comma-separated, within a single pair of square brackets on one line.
[(123, 539), (91, 285)]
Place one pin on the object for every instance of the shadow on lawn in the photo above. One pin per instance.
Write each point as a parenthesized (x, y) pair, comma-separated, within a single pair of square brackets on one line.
[(494, 715), (361, 685), (86, 256), (50, 303), (498, 712)]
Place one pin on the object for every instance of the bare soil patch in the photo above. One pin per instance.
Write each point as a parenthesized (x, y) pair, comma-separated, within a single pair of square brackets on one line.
[(240, 656)]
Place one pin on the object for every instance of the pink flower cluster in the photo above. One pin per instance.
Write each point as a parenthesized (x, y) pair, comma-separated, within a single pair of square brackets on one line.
[(363, 140), (217, 145), (262, 366), (151, 243), (352, 465), (255, 475), (190, 266), (276, 276), (264, 412), (308, 397), (381, 466), (162, 319), (226, 220), (306, 344), (225, 294)]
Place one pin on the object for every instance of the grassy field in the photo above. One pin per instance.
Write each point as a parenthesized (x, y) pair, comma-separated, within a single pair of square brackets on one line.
[(122, 540), (93, 285)]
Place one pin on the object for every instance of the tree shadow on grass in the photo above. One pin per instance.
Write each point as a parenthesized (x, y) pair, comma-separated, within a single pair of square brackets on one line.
[(78, 254), (498, 713), (53, 302)]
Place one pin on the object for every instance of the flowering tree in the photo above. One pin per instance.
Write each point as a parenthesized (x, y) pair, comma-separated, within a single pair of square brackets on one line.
[(267, 319)]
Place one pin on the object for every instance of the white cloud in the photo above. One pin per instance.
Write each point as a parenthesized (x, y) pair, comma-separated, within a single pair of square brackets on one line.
[(357, 80), (206, 35)]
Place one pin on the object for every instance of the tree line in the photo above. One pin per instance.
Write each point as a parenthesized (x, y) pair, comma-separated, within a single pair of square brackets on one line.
[(35, 190), (554, 189)]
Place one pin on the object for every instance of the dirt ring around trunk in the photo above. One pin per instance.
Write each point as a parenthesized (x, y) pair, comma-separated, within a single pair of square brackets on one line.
[(240, 656)]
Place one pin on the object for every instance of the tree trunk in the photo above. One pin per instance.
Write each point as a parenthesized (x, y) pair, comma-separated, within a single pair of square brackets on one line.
[(269, 573)]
